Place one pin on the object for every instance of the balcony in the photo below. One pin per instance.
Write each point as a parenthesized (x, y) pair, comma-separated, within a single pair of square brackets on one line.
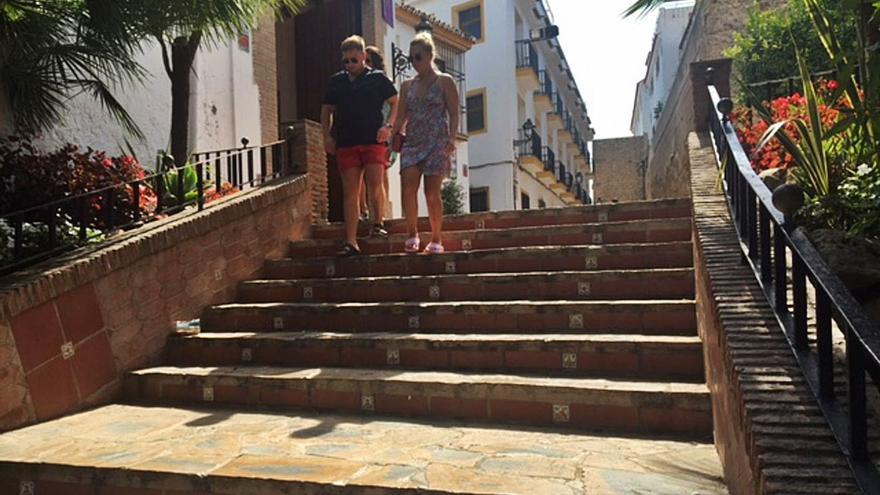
[(527, 66), (548, 174), (558, 185), (544, 94), (529, 149), (554, 118), (565, 136)]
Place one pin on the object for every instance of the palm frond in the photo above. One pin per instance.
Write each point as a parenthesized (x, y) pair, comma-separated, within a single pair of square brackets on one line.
[(643, 7)]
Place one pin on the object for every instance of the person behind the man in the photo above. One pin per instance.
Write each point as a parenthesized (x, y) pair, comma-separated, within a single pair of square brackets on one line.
[(353, 106)]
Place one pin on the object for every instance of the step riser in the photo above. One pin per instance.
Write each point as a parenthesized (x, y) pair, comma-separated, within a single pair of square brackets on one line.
[(683, 416), (572, 318), (671, 256), (453, 241), (511, 220), (569, 287), (628, 360)]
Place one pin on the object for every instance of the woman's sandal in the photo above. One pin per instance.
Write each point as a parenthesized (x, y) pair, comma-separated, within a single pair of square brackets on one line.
[(378, 230), (347, 250), (434, 248), (412, 245)]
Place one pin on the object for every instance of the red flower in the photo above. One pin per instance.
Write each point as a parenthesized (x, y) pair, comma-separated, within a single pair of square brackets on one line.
[(832, 85)]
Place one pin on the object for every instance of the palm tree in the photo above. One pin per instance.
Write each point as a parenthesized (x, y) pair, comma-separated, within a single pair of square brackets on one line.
[(50, 52)]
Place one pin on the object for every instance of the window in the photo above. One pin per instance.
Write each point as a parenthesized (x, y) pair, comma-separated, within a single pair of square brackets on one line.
[(476, 111), (468, 17), (542, 204), (480, 199), (524, 201)]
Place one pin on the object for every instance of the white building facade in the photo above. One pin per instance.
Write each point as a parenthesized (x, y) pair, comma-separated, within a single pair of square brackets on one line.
[(661, 66), (527, 124)]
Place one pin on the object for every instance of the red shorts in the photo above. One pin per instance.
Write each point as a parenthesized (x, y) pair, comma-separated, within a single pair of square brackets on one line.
[(361, 156)]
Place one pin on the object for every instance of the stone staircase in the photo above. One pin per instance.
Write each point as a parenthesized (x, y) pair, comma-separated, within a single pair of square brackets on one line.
[(577, 321)]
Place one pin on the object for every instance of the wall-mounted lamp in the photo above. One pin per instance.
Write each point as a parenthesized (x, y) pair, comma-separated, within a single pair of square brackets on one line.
[(424, 26)]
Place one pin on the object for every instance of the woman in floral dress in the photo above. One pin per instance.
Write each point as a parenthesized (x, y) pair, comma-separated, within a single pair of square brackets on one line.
[(429, 109)]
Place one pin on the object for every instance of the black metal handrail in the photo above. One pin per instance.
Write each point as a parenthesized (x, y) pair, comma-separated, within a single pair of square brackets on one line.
[(560, 105), (766, 235), (560, 176), (526, 56), (775, 88), (569, 180), (545, 84), (74, 221), (549, 159)]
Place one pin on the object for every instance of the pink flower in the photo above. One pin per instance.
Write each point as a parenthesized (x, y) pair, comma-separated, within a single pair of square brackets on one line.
[(107, 163)]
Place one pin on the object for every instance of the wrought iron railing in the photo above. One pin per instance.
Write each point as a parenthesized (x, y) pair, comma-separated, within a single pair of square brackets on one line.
[(37, 233), (526, 56), (768, 237), (775, 88), (559, 104), (560, 175), (528, 143), (549, 159), (545, 83)]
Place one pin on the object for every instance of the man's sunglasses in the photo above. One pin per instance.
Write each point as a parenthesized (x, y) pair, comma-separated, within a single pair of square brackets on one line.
[(349, 61)]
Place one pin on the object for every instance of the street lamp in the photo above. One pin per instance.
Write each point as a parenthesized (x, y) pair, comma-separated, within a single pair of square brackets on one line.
[(424, 26)]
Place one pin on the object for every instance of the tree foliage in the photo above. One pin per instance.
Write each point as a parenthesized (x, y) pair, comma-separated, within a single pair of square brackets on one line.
[(765, 49)]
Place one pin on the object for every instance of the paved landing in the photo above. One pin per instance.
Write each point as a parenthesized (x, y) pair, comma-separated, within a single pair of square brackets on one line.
[(257, 452)]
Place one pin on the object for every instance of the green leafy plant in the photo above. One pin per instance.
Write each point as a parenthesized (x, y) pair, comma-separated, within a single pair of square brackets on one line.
[(452, 195), (763, 49)]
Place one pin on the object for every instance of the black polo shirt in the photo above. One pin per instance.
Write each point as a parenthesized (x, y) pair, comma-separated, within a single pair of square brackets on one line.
[(358, 105)]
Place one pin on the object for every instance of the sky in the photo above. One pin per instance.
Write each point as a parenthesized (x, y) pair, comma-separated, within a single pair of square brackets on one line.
[(607, 56)]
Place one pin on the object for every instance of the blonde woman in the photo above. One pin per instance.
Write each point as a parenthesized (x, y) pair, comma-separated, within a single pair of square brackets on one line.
[(429, 110)]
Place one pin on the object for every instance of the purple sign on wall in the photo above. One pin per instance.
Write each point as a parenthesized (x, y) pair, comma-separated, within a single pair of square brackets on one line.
[(388, 11)]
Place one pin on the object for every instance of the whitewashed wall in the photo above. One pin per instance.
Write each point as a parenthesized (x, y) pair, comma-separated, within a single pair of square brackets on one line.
[(536, 190), (224, 106)]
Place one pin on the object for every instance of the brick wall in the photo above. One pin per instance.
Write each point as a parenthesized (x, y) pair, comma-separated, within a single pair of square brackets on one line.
[(769, 432), (709, 34), (310, 158), (265, 74), (619, 167), (71, 328)]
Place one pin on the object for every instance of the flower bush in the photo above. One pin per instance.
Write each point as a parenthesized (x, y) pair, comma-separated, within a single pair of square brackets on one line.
[(30, 178), (773, 154)]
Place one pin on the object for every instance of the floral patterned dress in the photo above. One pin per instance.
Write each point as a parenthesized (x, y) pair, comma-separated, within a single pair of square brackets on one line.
[(427, 132)]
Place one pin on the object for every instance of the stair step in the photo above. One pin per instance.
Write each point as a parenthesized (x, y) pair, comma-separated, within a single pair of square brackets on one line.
[(664, 208), (654, 230), (675, 317), (647, 357), (618, 284), (125, 449), (502, 260), (681, 409)]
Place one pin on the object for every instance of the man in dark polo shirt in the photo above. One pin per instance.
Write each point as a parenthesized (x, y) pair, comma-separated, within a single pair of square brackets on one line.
[(353, 105)]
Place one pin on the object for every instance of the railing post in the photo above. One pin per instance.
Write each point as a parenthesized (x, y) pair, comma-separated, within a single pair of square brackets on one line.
[(858, 414), (780, 267), (19, 241), (766, 266), (200, 185), (824, 346), (799, 281)]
